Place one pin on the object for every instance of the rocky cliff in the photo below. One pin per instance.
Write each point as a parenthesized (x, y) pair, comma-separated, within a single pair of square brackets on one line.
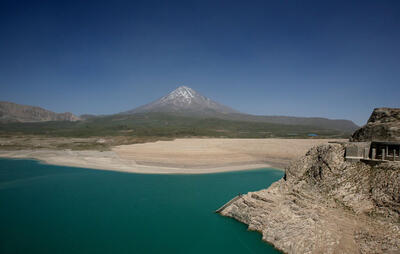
[(383, 125), (325, 204), (12, 112)]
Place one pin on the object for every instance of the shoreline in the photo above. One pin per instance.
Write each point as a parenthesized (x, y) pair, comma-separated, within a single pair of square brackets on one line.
[(180, 156), (39, 156)]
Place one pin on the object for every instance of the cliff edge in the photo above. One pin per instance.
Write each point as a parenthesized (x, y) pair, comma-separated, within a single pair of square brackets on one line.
[(325, 204)]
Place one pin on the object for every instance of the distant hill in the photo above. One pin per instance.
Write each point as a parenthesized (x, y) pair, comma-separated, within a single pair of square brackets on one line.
[(12, 112), (320, 122), (185, 101)]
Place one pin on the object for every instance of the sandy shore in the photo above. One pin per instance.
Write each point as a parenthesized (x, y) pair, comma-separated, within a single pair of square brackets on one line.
[(181, 156)]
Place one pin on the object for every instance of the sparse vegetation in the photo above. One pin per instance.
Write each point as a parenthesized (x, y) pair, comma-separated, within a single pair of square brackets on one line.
[(162, 125)]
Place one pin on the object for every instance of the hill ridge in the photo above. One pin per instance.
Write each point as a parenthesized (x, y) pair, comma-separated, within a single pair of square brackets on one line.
[(13, 112)]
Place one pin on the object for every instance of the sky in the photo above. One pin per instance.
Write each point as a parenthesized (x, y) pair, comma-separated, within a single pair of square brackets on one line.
[(334, 59)]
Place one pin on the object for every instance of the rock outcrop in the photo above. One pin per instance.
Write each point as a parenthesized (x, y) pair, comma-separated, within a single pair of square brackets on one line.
[(383, 125), (12, 112), (325, 204)]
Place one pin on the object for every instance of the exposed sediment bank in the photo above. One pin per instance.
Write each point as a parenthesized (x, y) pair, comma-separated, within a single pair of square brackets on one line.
[(181, 156)]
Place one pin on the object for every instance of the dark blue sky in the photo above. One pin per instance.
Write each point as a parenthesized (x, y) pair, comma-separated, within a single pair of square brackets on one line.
[(336, 59)]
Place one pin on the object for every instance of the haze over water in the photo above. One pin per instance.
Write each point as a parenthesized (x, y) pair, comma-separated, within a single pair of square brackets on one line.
[(54, 209)]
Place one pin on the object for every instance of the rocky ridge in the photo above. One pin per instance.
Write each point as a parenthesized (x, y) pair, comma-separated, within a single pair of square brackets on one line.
[(12, 112), (325, 204)]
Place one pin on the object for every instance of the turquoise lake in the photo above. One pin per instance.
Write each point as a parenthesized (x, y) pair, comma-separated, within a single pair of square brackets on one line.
[(54, 209)]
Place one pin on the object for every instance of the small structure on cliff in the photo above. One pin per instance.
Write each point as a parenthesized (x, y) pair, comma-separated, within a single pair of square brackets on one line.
[(378, 140), (374, 150)]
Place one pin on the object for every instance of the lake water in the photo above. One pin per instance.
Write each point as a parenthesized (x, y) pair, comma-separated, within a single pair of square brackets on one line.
[(54, 209)]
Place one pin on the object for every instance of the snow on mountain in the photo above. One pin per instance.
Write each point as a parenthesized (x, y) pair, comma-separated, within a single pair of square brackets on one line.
[(184, 100)]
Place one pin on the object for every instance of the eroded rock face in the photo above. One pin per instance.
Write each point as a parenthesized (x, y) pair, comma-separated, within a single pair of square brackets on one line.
[(325, 204), (383, 125)]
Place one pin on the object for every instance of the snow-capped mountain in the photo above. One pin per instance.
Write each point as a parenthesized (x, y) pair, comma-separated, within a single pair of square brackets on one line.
[(184, 100), (187, 102)]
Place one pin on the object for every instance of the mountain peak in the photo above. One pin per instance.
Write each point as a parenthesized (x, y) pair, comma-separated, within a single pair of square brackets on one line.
[(184, 100), (183, 92), (184, 88)]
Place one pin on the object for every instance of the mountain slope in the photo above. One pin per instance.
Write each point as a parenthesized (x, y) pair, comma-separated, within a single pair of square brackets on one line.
[(12, 112), (186, 101), (320, 122)]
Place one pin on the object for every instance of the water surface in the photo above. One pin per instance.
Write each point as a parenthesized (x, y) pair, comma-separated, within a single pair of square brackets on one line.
[(56, 209)]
